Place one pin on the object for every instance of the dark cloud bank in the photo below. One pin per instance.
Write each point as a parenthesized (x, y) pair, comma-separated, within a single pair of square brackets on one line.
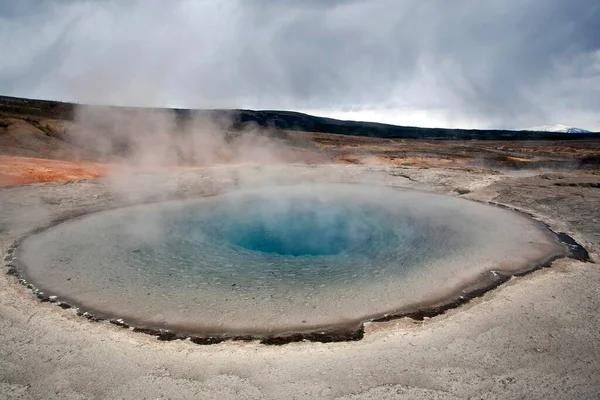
[(465, 63)]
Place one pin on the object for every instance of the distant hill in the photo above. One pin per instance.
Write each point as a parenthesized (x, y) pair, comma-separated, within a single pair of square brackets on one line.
[(295, 121), (559, 128)]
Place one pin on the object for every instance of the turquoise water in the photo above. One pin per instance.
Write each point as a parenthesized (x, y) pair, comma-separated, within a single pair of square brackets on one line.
[(304, 228), (278, 259)]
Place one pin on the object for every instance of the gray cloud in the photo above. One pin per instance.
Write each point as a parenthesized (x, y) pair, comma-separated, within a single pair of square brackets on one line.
[(504, 63)]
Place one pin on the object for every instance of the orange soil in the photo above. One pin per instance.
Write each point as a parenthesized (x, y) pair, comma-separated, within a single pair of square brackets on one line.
[(17, 170), (22, 170)]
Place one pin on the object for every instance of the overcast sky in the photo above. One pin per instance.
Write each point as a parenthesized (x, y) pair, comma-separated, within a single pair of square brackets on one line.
[(459, 63)]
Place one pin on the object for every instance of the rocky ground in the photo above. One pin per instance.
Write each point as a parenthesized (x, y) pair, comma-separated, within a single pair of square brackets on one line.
[(534, 337)]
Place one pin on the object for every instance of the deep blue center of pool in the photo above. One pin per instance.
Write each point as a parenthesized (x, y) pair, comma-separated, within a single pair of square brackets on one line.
[(293, 235), (310, 228)]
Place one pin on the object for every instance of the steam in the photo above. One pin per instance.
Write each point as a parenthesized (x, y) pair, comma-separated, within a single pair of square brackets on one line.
[(157, 138), (140, 144)]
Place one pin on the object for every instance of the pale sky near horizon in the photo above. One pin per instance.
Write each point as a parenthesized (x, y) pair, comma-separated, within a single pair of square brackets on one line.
[(461, 63)]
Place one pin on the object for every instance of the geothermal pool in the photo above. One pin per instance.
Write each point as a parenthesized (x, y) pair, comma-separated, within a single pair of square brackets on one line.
[(281, 260)]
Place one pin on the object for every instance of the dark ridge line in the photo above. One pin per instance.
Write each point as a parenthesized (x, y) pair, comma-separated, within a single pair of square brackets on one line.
[(239, 119), (595, 185), (576, 251)]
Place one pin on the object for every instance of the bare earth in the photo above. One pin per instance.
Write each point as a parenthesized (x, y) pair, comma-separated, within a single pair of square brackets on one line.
[(535, 337)]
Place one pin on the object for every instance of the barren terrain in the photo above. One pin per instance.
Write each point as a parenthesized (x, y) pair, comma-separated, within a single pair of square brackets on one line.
[(536, 336)]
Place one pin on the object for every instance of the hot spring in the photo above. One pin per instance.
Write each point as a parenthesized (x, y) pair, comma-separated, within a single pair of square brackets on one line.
[(281, 260)]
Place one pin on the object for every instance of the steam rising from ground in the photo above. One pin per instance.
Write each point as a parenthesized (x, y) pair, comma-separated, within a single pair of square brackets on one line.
[(140, 142), (163, 138)]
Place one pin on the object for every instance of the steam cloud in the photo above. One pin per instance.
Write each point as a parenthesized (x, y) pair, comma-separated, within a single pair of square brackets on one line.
[(137, 142), (149, 138)]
